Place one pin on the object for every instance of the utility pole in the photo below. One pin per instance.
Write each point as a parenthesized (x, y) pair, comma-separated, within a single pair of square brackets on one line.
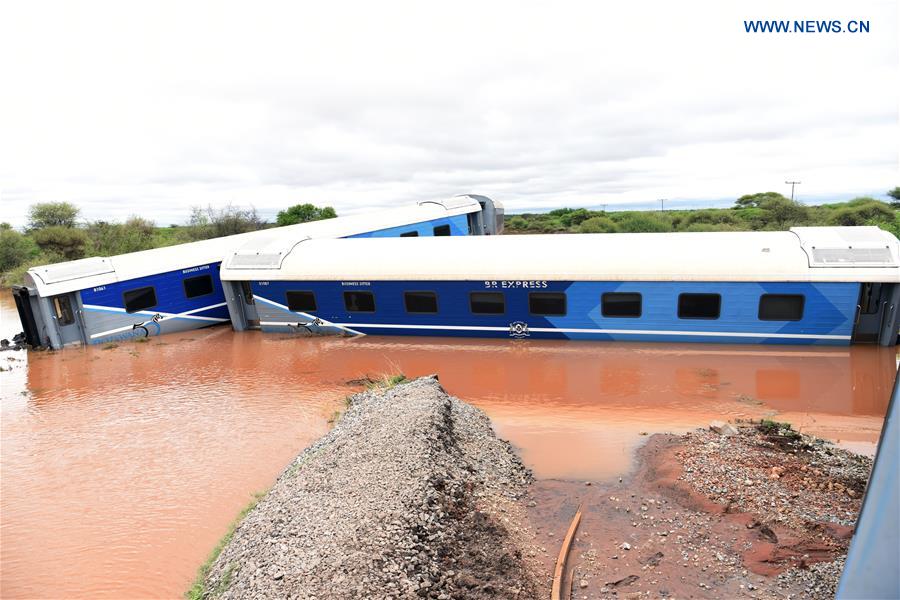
[(662, 204), (604, 207), (792, 184)]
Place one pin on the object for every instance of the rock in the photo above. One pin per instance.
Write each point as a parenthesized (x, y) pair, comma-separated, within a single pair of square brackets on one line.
[(583, 583), (723, 428), (625, 546)]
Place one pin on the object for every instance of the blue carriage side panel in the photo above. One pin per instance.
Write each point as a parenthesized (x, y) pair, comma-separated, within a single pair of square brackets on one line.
[(829, 310), (106, 318), (459, 225)]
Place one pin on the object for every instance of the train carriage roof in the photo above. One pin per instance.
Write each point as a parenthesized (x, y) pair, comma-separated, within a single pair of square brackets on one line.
[(802, 254), (85, 273)]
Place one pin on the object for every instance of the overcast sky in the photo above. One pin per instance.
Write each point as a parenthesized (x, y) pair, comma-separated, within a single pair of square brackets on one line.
[(150, 108)]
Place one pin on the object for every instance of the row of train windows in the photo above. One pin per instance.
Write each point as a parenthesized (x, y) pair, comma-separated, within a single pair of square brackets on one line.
[(145, 297), (772, 307), (439, 231)]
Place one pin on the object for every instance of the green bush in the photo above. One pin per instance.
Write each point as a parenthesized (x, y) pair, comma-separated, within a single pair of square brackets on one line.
[(598, 225), (65, 242), (638, 222), (708, 217), (862, 211), (15, 249), (109, 239)]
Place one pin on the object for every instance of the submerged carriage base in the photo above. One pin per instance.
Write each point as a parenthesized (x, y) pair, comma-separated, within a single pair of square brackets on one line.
[(809, 285), (177, 288)]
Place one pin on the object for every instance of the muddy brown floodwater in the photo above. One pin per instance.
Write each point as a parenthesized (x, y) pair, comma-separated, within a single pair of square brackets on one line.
[(121, 467)]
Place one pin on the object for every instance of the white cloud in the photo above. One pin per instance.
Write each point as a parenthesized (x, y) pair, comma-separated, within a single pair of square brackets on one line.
[(149, 111)]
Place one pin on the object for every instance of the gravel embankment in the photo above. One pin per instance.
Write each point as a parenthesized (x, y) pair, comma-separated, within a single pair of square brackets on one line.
[(410, 495)]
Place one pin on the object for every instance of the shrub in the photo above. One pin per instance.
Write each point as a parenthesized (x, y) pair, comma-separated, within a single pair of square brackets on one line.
[(15, 249), (598, 225), (638, 222), (65, 242), (862, 211), (133, 235), (710, 217)]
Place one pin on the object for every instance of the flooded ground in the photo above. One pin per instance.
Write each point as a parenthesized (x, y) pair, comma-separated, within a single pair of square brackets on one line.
[(121, 467)]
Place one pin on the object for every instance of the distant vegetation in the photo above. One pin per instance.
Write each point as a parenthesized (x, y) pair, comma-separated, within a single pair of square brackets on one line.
[(54, 233), (767, 211)]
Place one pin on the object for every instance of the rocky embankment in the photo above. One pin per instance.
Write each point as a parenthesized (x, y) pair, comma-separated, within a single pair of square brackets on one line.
[(411, 495)]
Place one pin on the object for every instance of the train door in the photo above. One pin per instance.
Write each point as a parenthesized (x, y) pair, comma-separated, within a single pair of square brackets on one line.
[(241, 305), (67, 312), (877, 317), (25, 307), (250, 312)]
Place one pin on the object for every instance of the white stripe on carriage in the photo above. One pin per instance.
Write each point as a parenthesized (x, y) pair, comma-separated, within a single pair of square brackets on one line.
[(806, 336), (303, 314), (189, 314)]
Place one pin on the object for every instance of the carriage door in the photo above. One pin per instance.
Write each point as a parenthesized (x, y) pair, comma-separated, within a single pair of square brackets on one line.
[(250, 312), (67, 311), (877, 315)]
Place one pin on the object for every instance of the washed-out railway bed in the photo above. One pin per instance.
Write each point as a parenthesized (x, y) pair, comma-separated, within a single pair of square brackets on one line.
[(412, 495)]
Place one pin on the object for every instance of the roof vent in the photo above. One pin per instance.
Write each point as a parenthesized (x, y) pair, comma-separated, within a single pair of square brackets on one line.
[(255, 261), (848, 246), (76, 269)]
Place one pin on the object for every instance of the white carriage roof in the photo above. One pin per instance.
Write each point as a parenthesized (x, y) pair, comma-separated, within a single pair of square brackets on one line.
[(81, 274), (720, 256)]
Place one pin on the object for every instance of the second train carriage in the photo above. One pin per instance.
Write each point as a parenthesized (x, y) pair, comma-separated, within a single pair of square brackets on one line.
[(176, 288), (828, 285)]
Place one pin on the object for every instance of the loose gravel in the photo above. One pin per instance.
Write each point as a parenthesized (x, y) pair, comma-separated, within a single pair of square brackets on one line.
[(411, 495)]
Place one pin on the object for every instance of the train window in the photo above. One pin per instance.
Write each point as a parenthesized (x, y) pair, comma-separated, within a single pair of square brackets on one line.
[(202, 285), (420, 302), (621, 305), (699, 306), (359, 301), (547, 303), (301, 301), (410, 234), (487, 303), (139, 299), (64, 313), (247, 291), (442, 230), (781, 307)]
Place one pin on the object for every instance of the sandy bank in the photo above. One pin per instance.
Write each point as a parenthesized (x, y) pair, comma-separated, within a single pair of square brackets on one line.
[(410, 495)]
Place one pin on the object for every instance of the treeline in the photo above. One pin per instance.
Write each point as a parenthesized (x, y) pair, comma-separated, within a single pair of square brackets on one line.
[(55, 233), (766, 211)]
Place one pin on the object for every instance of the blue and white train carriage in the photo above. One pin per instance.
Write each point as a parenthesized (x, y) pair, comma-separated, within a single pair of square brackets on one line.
[(830, 285), (176, 288)]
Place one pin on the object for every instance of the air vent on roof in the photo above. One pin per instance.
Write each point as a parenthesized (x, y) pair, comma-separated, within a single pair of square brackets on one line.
[(852, 257), (86, 267)]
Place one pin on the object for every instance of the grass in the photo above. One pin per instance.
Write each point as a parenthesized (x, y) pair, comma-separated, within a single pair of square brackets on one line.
[(198, 589), (386, 381), (770, 427)]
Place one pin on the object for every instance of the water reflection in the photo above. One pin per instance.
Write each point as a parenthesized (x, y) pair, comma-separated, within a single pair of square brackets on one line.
[(122, 466)]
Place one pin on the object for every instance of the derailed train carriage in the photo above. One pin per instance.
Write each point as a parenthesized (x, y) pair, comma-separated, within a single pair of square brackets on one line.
[(809, 285), (176, 288)]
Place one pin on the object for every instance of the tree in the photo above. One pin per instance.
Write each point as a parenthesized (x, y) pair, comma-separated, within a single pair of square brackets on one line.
[(15, 249), (52, 214), (211, 222), (304, 213), (895, 194), (61, 242), (756, 200), (598, 225)]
